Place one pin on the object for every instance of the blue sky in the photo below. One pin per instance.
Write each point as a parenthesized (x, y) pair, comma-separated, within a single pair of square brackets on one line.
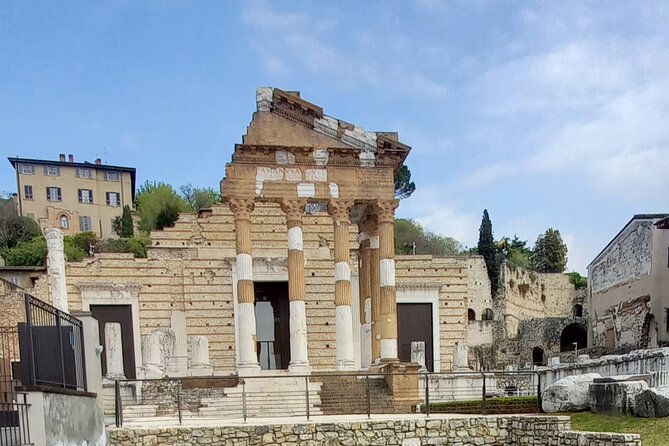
[(548, 114)]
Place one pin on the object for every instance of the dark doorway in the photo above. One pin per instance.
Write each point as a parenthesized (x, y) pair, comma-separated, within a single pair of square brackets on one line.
[(538, 356), (471, 315), (578, 310), (123, 315), (272, 324), (573, 337), (414, 323)]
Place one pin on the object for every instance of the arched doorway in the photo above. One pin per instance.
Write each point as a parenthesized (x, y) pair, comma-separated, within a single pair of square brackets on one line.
[(538, 356), (488, 315), (573, 337), (578, 310), (471, 315)]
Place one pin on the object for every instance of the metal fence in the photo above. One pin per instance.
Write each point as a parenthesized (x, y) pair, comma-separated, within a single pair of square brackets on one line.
[(14, 427), (190, 399), (52, 349)]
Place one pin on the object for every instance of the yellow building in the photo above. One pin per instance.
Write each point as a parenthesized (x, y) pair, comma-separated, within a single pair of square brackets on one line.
[(73, 196)]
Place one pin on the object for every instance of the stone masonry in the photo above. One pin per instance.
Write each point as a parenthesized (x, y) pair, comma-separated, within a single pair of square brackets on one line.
[(460, 431)]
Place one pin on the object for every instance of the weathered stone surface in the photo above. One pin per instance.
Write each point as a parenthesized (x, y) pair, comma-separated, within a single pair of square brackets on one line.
[(652, 403), (570, 394), (615, 395)]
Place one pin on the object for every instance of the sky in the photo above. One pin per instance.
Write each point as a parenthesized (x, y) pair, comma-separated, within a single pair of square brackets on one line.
[(548, 114)]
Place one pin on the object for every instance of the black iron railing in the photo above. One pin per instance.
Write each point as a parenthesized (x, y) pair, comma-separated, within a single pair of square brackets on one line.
[(14, 426), (192, 399), (52, 347)]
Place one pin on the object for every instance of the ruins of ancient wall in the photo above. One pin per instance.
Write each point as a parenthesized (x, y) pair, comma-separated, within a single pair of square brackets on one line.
[(11, 302), (624, 326), (189, 268)]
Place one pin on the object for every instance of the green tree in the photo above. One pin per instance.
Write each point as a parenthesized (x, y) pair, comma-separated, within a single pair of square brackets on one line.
[(578, 280), (515, 251), (127, 224), (200, 197), (33, 252), (550, 252), (7, 205), (15, 230), (156, 199), (404, 187), (488, 249), (408, 232)]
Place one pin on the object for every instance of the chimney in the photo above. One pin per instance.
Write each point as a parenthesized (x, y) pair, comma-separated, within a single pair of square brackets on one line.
[(98, 161), (70, 158), (62, 157)]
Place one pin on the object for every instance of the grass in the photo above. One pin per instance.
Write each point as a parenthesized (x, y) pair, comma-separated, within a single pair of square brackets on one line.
[(654, 431)]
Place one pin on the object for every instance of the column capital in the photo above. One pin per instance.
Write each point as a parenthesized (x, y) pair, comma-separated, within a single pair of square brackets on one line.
[(340, 209), (385, 210), (370, 225), (241, 207), (294, 209)]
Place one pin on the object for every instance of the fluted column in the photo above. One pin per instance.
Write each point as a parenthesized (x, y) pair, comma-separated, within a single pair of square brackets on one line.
[(339, 210), (299, 359), (385, 212), (375, 287), (246, 318), (365, 293)]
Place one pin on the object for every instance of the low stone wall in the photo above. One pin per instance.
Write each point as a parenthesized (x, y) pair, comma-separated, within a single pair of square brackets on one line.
[(637, 362), (461, 431)]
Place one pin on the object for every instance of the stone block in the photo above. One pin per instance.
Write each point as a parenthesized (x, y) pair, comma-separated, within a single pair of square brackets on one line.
[(614, 397), (652, 403), (570, 394)]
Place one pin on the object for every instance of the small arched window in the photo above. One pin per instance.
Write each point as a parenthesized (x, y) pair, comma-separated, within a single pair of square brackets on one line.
[(471, 315), (578, 310), (488, 315), (64, 222), (538, 356)]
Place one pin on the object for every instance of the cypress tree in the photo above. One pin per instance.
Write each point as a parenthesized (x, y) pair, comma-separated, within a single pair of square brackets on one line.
[(127, 225), (487, 249)]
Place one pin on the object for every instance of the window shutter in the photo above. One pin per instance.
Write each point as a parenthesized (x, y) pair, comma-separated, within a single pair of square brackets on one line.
[(108, 199), (48, 197), (81, 198), (60, 197)]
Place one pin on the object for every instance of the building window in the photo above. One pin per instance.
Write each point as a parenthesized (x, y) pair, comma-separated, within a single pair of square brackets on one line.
[(28, 192), (84, 172), (85, 196), (471, 315), (488, 315), (113, 199), (64, 222), (111, 175), (52, 171), (30, 215), (578, 310), (53, 194), (85, 224), (27, 169)]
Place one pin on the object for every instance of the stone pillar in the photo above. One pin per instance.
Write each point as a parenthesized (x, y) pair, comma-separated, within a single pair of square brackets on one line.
[(365, 295), (299, 359), (375, 287), (339, 210), (246, 319), (199, 362), (56, 268), (385, 212), (152, 357), (461, 357), (114, 350)]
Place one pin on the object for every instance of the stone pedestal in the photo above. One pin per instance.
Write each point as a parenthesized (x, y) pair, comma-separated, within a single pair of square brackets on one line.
[(199, 363), (418, 354), (402, 378), (152, 360), (114, 350), (460, 358)]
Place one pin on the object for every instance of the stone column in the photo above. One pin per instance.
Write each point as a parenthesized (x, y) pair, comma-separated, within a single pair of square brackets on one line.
[(299, 359), (375, 288), (339, 210), (56, 268), (114, 350), (365, 294), (246, 319), (385, 212)]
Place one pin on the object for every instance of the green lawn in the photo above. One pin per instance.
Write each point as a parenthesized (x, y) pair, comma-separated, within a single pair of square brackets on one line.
[(654, 431)]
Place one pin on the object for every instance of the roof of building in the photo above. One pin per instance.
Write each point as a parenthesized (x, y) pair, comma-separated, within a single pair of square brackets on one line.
[(634, 218), (131, 170)]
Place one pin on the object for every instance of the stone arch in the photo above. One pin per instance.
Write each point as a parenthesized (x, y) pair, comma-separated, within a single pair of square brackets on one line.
[(577, 310), (488, 315), (573, 334), (471, 315), (538, 356)]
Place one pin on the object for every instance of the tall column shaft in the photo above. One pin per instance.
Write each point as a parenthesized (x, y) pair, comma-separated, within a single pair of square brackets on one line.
[(365, 293), (246, 318), (375, 292), (385, 211), (299, 359), (339, 210)]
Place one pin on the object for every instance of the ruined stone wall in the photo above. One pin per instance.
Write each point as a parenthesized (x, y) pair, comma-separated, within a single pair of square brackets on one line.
[(526, 295), (479, 298), (190, 268), (12, 304), (625, 326)]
